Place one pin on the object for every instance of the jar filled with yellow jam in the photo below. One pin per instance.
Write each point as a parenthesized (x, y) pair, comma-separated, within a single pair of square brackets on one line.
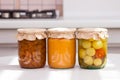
[(61, 48), (92, 47), (32, 47)]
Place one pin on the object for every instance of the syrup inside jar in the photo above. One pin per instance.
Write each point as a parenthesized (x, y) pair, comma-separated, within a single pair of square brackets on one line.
[(31, 48), (92, 47)]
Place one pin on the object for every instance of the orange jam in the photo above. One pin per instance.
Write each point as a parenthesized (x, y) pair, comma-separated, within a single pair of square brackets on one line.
[(61, 53), (61, 50)]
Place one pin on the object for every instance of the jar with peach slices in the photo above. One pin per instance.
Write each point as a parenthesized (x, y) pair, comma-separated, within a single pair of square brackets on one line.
[(32, 48), (92, 47)]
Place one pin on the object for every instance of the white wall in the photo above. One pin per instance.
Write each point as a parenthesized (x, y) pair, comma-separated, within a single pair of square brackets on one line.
[(92, 8)]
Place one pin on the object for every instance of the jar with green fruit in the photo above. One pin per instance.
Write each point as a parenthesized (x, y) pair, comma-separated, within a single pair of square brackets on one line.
[(92, 47)]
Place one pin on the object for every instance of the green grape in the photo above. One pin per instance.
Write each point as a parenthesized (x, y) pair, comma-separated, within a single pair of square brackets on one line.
[(82, 53), (90, 51), (97, 44), (97, 62), (86, 44), (104, 40), (88, 60), (105, 47)]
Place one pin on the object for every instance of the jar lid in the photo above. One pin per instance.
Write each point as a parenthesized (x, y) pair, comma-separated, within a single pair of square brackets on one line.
[(31, 34), (94, 33), (67, 33)]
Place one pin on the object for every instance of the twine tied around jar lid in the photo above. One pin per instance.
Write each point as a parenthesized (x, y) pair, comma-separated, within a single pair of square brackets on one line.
[(92, 33), (31, 34), (67, 33)]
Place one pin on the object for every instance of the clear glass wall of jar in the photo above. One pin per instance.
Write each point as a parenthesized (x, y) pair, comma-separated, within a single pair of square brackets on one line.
[(92, 47), (32, 48), (61, 48)]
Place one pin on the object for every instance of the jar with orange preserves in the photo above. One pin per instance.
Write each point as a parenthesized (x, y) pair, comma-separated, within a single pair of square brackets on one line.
[(92, 47), (61, 48), (32, 47)]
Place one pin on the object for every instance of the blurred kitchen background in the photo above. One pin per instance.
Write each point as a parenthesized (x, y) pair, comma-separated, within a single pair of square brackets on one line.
[(69, 13)]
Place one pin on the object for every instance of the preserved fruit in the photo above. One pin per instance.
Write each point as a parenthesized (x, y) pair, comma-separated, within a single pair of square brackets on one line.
[(61, 48), (31, 49), (92, 47)]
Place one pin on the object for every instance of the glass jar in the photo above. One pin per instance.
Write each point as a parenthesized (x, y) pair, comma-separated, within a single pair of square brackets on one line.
[(5, 15), (61, 47), (16, 14), (31, 48), (92, 47)]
